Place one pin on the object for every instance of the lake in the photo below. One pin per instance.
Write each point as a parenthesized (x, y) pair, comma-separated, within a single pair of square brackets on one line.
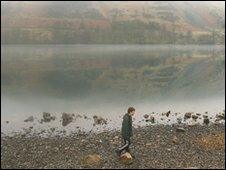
[(106, 79)]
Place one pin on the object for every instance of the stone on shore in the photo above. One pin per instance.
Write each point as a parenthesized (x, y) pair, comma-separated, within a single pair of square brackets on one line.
[(47, 117), (29, 119), (67, 118), (99, 120), (180, 129), (126, 158), (187, 115), (175, 140), (194, 117), (206, 121), (91, 159)]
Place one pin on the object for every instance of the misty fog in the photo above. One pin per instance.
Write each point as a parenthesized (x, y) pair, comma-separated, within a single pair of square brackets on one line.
[(82, 79)]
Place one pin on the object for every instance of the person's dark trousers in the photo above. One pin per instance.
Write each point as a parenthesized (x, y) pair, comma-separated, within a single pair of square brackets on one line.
[(126, 145)]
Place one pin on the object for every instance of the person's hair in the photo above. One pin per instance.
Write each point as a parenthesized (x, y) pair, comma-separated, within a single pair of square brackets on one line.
[(130, 109)]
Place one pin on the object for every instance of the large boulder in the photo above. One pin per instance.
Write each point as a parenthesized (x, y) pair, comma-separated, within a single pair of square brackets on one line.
[(91, 160), (67, 118), (126, 158)]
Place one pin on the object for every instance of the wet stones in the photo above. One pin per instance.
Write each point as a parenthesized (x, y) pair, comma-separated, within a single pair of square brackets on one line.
[(168, 113), (220, 116), (91, 160), (195, 117), (180, 129), (99, 120), (175, 140), (187, 115), (146, 116), (47, 117), (179, 120), (205, 116), (126, 158), (206, 121), (29, 119), (52, 129), (67, 118), (149, 118)]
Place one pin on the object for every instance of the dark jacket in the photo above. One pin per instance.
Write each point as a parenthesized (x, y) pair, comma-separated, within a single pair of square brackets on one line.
[(127, 126)]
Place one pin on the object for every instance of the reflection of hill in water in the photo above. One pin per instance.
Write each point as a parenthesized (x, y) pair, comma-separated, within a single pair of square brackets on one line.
[(120, 70)]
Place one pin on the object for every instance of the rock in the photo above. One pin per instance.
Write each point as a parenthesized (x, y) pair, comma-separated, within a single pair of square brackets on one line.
[(167, 113), (198, 114), (205, 116), (7, 121), (206, 121), (151, 119), (175, 140), (78, 116), (180, 129), (179, 120), (52, 129), (217, 120), (192, 168), (146, 116), (85, 117), (91, 159), (187, 115), (99, 120), (220, 116), (194, 117), (47, 117), (31, 127), (116, 137), (67, 118), (126, 158), (29, 119), (148, 144)]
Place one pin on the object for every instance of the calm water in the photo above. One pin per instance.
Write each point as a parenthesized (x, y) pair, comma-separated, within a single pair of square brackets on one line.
[(106, 79)]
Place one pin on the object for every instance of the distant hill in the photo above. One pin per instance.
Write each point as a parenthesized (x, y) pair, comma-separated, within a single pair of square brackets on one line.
[(116, 22)]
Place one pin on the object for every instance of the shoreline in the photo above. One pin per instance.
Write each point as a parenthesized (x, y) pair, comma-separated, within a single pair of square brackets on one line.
[(159, 146)]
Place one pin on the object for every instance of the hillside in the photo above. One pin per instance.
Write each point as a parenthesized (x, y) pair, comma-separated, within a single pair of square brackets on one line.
[(113, 22)]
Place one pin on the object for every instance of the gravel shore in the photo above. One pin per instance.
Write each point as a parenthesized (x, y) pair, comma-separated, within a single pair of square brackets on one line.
[(159, 146)]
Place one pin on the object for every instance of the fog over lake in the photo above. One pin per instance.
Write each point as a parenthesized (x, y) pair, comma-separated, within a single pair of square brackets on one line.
[(106, 79)]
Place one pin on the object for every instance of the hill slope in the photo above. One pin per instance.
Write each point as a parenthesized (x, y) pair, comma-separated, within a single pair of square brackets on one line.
[(113, 22)]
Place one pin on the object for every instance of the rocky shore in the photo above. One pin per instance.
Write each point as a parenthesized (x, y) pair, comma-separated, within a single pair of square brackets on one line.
[(158, 146)]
